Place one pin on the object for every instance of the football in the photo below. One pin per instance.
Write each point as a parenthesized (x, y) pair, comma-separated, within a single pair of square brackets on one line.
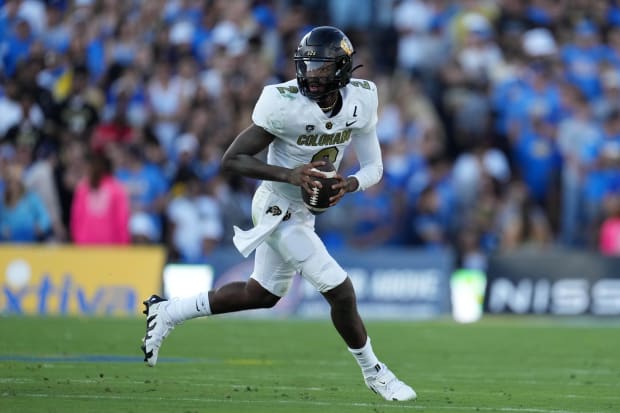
[(318, 202)]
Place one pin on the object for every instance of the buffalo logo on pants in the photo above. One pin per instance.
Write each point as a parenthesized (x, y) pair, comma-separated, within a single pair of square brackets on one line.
[(274, 210)]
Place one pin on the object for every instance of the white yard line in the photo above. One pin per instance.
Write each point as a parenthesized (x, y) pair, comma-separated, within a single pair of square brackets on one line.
[(416, 406), (238, 385)]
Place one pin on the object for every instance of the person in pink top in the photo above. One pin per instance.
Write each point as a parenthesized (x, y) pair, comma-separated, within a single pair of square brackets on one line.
[(609, 234), (100, 208)]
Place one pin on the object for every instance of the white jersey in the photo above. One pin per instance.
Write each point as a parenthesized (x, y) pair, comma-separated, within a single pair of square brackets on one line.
[(304, 133)]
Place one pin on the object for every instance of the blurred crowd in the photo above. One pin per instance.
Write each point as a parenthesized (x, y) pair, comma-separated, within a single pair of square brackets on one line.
[(499, 120)]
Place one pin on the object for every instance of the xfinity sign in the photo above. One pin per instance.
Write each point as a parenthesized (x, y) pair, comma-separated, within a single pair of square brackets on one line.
[(564, 296)]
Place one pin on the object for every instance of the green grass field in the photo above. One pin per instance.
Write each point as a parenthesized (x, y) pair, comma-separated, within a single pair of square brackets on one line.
[(235, 365)]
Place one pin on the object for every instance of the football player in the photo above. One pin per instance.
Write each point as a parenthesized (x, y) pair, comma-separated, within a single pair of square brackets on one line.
[(301, 121)]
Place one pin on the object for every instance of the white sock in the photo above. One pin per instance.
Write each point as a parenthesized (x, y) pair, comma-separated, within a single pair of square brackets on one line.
[(368, 362), (181, 309)]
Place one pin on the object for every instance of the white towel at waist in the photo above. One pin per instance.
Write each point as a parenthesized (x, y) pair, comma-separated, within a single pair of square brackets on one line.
[(275, 209)]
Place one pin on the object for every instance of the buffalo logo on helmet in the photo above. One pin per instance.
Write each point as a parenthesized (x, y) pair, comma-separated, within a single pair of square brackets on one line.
[(346, 45)]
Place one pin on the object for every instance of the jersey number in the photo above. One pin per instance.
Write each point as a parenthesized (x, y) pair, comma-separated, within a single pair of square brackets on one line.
[(289, 89), (330, 153)]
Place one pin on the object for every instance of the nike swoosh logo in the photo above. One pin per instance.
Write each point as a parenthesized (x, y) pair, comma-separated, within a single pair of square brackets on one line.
[(350, 123)]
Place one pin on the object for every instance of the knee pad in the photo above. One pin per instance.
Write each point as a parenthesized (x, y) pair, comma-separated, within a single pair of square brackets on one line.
[(302, 248), (296, 243)]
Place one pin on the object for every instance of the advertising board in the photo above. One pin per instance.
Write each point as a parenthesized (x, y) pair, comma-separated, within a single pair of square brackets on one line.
[(553, 281), (66, 280), (390, 284)]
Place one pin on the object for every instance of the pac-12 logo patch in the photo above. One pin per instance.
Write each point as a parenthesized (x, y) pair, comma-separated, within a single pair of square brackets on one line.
[(309, 128)]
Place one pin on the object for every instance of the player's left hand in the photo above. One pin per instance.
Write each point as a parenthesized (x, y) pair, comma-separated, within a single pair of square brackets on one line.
[(341, 186)]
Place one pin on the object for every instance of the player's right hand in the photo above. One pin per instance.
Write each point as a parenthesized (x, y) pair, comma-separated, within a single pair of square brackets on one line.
[(303, 176)]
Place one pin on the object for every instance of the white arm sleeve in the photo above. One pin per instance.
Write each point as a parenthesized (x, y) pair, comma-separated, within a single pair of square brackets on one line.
[(368, 153)]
